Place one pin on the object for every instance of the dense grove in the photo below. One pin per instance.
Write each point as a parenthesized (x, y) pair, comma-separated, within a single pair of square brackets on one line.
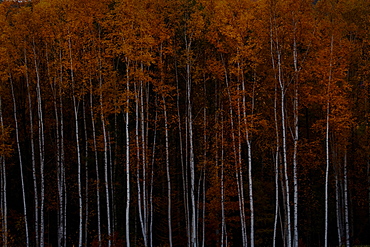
[(184, 122)]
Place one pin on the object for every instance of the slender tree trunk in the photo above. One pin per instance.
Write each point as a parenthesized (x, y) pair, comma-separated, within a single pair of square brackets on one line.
[(102, 117), (277, 66), (111, 190), (205, 161), (326, 174), (62, 234), (127, 156), (223, 220), (139, 188), (238, 173), (62, 164), (249, 146), (295, 137), (144, 134), (86, 171), (20, 161), (4, 203), (168, 173), (277, 158), (152, 178), (346, 206), (96, 162), (41, 147), (183, 165), (277, 152), (194, 239), (75, 110), (286, 177), (35, 189), (59, 172), (327, 141), (338, 198), (194, 230)]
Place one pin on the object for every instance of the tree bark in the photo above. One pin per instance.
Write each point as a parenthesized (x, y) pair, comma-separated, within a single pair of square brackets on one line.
[(168, 173), (20, 161), (346, 206), (75, 110), (127, 111), (4, 202), (35, 187)]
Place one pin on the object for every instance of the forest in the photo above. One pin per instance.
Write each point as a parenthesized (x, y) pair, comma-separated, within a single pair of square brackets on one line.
[(185, 123)]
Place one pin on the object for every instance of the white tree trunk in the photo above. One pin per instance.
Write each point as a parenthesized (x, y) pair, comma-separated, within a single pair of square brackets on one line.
[(327, 142), (152, 179), (205, 161), (20, 160), (62, 228), (183, 166), (276, 174), (105, 153), (86, 171), (285, 162), (194, 230), (4, 204), (223, 221), (346, 210), (75, 110), (168, 174), (249, 145), (238, 173), (41, 147), (139, 193), (295, 139), (96, 162), (277, 152), (35, 189), (127, 156), (63, 176), (59, 180)]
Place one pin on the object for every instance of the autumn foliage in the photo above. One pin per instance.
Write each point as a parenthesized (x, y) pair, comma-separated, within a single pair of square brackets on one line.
[(184, 122)]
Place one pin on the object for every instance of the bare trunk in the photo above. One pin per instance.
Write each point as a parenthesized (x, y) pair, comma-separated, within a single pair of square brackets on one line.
[(20, 161), (205, 161), (4, 204), (338, 199), (238, 173), (295, 137), (62, 228), (194, 230), (168, 173), (75, 110), (41, 147), (194, 239), (286, 177), (277, 152), (127, 157), (152, 179), (183, 165), (223, 221), (138, 180), (249, 146), (277, 159), (86, 172), (35, 189), (59, 171), (96, 162), (327, 141), (105, 153), (346, 211)]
